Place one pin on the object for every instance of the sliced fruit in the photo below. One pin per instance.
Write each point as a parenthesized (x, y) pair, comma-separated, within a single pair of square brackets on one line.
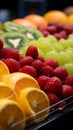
[(9, 26), (35, 104), (19, 81), (11, 115), (31, 33), (14, 40), (24, 22), (36, 19), (7, 92), (56, 16), (3, 69)]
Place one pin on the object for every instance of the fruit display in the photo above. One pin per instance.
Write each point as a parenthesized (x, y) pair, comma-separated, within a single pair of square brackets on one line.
[(36, 68)]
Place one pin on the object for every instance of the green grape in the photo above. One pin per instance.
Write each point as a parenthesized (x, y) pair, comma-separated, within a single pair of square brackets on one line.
[(63, 43), (63, 58), (45, 45), (41, 53), (58, 47), (70, 36), (51, 39), (69, 67), (52, 55), (69, 52)]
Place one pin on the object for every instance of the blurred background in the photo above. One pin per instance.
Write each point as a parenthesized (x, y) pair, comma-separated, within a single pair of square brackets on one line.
[(11, 9)]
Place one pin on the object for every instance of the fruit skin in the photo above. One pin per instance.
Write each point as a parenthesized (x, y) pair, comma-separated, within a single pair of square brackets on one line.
[(67, 90), (25, 60), (8, 52), (12, 64), (42, 80), (32, 51), (53, 98), (37, 64), (29, 70), (61, 72), (69, 80), (51, 62), (54, 85), (56, 16), (1, 44), (24, 22), (36, 19)]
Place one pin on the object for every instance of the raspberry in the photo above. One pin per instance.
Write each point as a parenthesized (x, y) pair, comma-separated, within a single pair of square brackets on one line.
[(67, 90), (69, 80), (26, 60), (47, 70), (1, 44)]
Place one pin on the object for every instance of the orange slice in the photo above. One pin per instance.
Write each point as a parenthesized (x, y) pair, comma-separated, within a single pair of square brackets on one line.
[(34, 103), (11, 115), (3, 69), (19, 81), (7, 92)]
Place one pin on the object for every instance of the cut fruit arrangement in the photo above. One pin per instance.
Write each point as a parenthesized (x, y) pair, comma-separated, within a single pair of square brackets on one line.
[(30, 85), (36, 69)]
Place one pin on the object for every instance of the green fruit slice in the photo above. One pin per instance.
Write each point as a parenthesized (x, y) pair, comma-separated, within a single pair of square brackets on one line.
[(9, 26), (31, 33), (15, 40)]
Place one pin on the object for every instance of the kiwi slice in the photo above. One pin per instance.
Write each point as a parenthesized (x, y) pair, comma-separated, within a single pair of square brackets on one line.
[(15, 40), (31, 33), (9, 26)]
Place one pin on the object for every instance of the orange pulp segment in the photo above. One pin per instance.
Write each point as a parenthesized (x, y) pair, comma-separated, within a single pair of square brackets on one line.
[(19, 81), (11, 115), (34, 103), (7, 92), (3, 69)]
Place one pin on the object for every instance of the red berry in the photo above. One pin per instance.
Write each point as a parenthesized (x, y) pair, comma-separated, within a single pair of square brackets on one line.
[(47, 70), (69, 80), (9, 53), (53, 98), (54, 85), (12, 64), (32, 51), (51, 62), (1, 44), (61, 72), (28, 70), (26, 60), (41, 58), (67, 91), (37, 64), (42, 80)]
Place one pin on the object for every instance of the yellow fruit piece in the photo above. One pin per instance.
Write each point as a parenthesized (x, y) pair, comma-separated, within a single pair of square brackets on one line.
[(3, 69), (7, 92), (11, 115), (55, 16), (19, 81), (34, 103)]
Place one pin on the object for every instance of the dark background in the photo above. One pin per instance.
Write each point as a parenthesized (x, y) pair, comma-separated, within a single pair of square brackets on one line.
[(19, 8)]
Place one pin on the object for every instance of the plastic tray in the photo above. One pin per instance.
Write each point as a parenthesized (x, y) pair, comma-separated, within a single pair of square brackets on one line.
[(55, 113)]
